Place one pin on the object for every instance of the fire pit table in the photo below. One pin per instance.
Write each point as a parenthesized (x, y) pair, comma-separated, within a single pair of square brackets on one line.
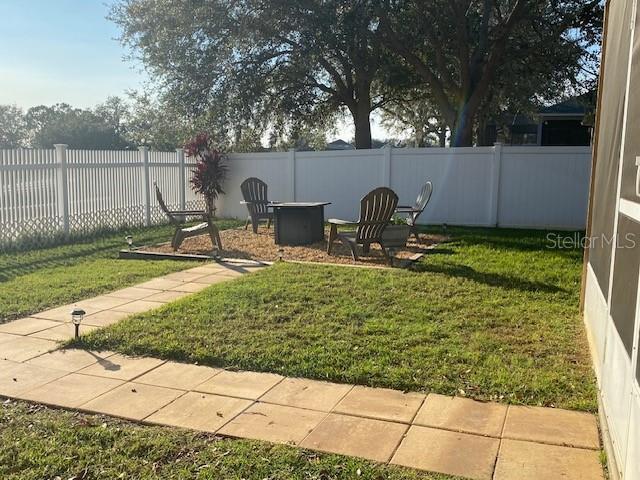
[(298, 223)]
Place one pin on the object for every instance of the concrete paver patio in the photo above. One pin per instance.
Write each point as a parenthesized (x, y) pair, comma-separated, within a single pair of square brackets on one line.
[(462, 415), (274, 423), (443, 451), (451, 435), (356, 436)]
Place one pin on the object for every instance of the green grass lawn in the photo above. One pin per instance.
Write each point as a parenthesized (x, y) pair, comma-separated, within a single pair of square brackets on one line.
[(493, 314), (39, 443), (34, 280)]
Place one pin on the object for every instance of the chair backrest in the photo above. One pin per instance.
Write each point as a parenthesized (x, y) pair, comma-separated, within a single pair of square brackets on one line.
[(163, 206), (254, 191), (423, 197), (376, 210)]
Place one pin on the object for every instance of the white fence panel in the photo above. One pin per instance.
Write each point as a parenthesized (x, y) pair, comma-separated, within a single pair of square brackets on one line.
[(28, 193), (461, 180), (104, 189), (341, 178), (269, 167), (48, 192), (544, 187)]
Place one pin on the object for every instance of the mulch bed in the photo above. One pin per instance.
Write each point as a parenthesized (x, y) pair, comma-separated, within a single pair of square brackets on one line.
[(244, 244)]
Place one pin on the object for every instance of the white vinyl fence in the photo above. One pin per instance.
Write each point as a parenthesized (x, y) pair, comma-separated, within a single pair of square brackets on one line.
[(48, 193), (537, 187), (45, 193)]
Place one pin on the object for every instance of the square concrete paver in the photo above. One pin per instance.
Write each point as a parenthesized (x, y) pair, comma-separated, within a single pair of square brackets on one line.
[(250, 385), (274, 423), (103, 302), (233, 271), (160, 284), (200, 411), (25, 326), (535, 461), (72, 390), (62, 332), (7, 337), (380, 403), (452, 453), (185, 276), (16, 378), (134, 401), (206, 269), (178, 375), (122, 367), (302, 393), (356, 436), (63, 314), (212, 279), (191, 287), (462, 415), (24, 348), (550, 425), (134, 293), (104, 318), (70, 360), (138, 306), (165, 297)]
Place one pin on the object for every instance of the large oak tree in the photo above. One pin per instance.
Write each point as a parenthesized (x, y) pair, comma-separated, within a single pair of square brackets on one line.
[(470, 53), (260, 62)]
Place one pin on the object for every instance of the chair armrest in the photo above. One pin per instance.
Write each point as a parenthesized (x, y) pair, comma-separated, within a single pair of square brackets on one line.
[(337, 221), (404, 207), (406, 210), (187, 212)]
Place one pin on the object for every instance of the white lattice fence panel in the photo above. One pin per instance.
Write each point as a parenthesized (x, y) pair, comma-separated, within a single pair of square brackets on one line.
[(28, 194), (105, 189), (49, 194)]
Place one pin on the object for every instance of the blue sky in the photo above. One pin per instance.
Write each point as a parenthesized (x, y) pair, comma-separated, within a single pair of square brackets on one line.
[(61, 51)]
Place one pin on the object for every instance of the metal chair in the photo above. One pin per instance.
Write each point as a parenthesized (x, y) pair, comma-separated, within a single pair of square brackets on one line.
[(416, 210), (376, 210), (254, 192)]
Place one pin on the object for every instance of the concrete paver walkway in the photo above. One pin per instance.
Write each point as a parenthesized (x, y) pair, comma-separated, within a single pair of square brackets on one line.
[(450, 435)]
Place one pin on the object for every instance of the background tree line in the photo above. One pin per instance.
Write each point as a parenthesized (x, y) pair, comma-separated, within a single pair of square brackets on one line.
[(116, 124)]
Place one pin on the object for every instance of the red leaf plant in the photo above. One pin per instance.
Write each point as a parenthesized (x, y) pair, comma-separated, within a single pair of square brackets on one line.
[(211, 169)]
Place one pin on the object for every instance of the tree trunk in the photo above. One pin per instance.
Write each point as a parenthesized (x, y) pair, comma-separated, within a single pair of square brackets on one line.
[(462, 134), (442, 136), (362, 124), (481, 132)]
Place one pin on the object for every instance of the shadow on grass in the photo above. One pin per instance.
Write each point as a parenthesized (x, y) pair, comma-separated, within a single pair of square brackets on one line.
[(57, 259), (15, 264), (492, 279)]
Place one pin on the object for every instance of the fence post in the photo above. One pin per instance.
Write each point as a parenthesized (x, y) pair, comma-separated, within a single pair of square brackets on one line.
[(63, 186), (183, 180), (144, 158), (292, 174), (496, 170), (386, 166)]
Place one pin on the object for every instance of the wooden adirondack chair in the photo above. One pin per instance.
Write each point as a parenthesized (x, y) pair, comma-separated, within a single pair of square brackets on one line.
[(254, 192), (178, 219), (416, 210), (376, 210)]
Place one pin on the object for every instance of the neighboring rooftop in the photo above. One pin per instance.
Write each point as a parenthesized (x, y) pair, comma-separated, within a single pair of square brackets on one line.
[(339, 145), (580, 105)]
